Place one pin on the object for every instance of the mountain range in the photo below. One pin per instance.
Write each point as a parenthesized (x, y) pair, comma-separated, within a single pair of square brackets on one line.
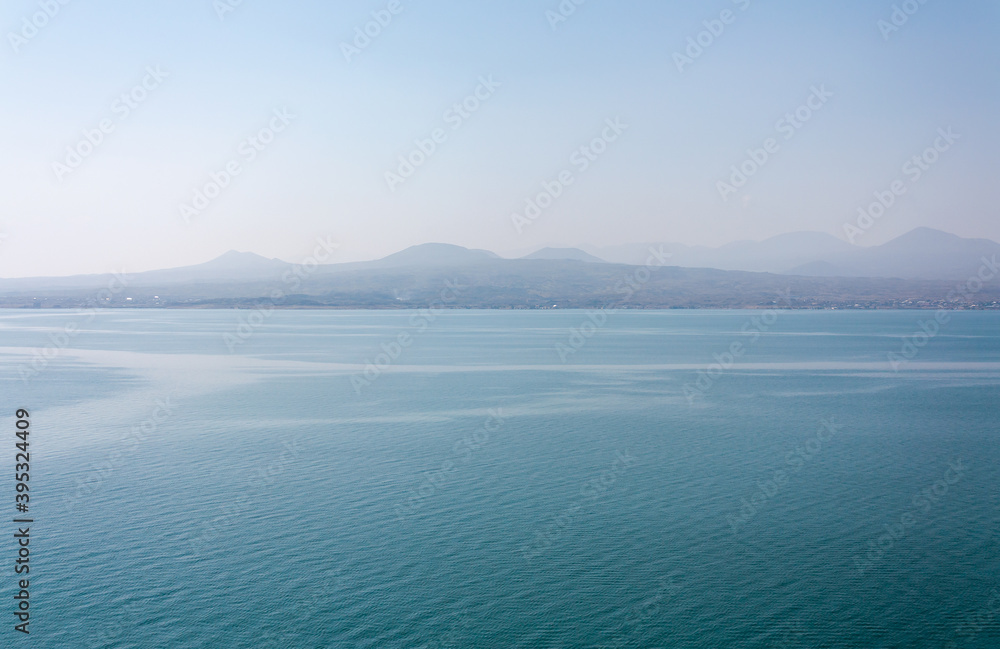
[(922, 253), (804, 269)]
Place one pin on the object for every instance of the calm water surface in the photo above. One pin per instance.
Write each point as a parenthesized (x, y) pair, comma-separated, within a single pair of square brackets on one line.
[(503, 481)]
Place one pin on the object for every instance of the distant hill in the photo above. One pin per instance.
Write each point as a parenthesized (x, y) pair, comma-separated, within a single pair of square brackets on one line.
[(234, 261), (923, 253), (564, 253), (232, 266), (775, 255), (434, 254), (780, 253)]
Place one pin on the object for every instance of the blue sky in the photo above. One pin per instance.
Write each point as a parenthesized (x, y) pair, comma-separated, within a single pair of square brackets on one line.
[(324, 174)]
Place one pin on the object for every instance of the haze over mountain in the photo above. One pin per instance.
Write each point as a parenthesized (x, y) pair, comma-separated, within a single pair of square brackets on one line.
[(433, 254), (564, 253), (232, 266), (917, 269), (923, 253)]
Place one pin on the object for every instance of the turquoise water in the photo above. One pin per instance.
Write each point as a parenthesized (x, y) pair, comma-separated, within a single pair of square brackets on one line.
[(505, 482)]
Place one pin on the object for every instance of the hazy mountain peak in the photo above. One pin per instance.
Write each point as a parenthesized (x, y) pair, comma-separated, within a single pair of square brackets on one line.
[(924, 236), (432, 254), (923, 253), (564, 253), (236, 260)]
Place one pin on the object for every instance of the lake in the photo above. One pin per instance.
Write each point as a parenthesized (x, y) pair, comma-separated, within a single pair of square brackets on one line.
[(523, 479)]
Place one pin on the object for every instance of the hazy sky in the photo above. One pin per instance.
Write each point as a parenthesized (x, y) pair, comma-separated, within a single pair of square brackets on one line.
[(546, 88)]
